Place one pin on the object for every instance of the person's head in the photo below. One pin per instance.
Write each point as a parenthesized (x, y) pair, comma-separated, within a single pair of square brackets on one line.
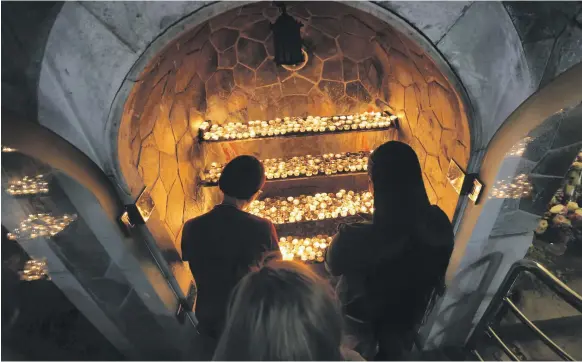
[(242, 179), (282, 311), (396, 181)]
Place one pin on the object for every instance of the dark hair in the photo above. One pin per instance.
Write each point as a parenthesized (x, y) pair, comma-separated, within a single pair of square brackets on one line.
[(399, 193), (242, 177), (282, 311)]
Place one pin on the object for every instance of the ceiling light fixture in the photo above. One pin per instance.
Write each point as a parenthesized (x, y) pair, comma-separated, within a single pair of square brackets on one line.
[(287, 39)]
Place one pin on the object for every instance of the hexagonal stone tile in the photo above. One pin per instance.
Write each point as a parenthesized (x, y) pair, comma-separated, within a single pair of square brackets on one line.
[(293, 105), (411, 106), (329, 26), (270, 46), (312, 69), (430, 191), (135, 150), (259, 31), (267, 74), (251, 53), (370, 75), (322, 8), (442, 104), (160, 197), (394, 93), (163, 132), (185, 170), (168, 169), (296, 85), (334, 90), (352, 25), (320, 44), (196, 42), (244, 77), (194, 95), (390, 37), (227, 59), (268, 92), (350, 69), (318, 104), (347, 105), (354, 47), (150, 111), (433, 171), (224, 19), (149, 161), (420, 151), (185, 72), (298, 10), (217, 110), (207, 61), (401, 67), (333, 69), (242, 22), (220, 83), (357, 90), (429, 132), (224, 38), (192, 209), (175, 209), (237, 101)]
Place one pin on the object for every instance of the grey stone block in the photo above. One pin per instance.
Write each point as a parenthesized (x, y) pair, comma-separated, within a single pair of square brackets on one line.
[(433, 18)]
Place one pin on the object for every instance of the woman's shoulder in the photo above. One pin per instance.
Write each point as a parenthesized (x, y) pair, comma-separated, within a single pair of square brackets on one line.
[(437, 228)]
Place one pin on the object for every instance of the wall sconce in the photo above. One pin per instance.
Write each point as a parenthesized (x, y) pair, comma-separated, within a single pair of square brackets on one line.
[(139, 212), (287, 39), (464, 184)]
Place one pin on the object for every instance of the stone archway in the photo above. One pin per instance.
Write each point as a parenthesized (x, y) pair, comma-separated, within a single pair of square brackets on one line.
[(222, 70)]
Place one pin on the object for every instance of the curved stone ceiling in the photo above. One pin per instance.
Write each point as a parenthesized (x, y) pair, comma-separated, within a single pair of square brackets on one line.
[(222, 70)]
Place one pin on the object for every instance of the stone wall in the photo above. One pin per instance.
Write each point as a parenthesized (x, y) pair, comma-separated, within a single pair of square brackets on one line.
[(223, 70)]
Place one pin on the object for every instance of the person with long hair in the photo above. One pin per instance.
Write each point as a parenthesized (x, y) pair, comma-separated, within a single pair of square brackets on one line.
[(283, 311), (392, 266)]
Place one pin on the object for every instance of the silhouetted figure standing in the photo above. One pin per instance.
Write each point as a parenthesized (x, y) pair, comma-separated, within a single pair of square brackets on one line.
[(392, 266), (222, 244)]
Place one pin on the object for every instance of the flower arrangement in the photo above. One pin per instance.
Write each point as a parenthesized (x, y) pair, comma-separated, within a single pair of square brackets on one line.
[(561, 225)]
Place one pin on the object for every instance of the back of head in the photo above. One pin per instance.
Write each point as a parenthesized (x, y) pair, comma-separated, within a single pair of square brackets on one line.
[(282, 311), (399, 192), (242, 177)]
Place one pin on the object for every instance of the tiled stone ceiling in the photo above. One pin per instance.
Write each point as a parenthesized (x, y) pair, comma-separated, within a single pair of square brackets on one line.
[(223, 70)]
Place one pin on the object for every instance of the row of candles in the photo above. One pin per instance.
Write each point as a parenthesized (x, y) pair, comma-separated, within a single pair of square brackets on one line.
[(304, 249), (303, 166), (28, 186), (295, 126), (41, 225), (321, 206), (512, 188), (519, 148)]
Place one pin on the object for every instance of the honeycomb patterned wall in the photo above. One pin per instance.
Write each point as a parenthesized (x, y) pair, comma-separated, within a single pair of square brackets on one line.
[(223, 70)]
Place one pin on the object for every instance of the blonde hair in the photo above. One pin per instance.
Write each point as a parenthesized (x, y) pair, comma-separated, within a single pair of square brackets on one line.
[(282, 311)]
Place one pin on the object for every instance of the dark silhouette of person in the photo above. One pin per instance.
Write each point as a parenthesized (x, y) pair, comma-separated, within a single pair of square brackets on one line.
[(222, 244), (392, 266)]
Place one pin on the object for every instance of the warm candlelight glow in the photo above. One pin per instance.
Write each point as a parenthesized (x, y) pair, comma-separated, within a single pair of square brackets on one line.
[(304, 249), (41, 225), (295, 126), (8, 149), (28, 186), (283, 210), (519, 148), (34, 269), (303, 166), (515, 188)]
